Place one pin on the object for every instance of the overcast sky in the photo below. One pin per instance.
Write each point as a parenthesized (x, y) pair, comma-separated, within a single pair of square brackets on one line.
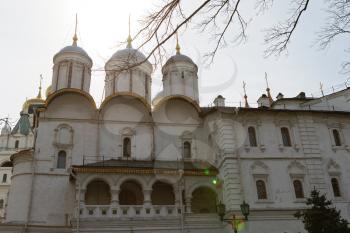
[(32, 31)]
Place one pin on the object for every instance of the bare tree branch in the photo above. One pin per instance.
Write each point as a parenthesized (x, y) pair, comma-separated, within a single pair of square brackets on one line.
[(279, 36), (338, 22)]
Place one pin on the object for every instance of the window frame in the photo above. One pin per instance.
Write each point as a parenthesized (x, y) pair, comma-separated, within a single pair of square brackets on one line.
[(265, 179), (288, 131), (265, 197), (190, 149), (301, 180), (58, 160), (255, 137), (4, 178), (337, 178), (337, 140), (17, 144), (124, 149)]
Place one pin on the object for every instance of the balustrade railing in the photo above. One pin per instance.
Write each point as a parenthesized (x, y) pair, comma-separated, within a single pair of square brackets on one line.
[(128, 211)]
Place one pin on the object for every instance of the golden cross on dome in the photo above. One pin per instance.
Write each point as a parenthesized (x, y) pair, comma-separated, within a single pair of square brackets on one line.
[(245, 95), (75, 37), (129, 40), (178, 48), (39, 94), (268, 89)]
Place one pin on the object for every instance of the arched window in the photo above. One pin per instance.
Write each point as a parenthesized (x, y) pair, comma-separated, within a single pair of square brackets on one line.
[(16, 144), (298, 189), (252, 137), (335, 187), (4, 178), (126, 147), (286, 137), (187, 149), (1, 203), (61, 159), (162, 194), (98, 192), (203, 201), (131, 193), (336, 137), (261, 190)]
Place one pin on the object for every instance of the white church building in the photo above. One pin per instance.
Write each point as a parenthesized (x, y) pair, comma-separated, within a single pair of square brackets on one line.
[(165, 165)]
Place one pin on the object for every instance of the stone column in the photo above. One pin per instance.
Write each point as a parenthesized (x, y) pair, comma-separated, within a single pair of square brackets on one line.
[(82, 197), (115, 196), (188, 204), (177, 194), (147, 197)]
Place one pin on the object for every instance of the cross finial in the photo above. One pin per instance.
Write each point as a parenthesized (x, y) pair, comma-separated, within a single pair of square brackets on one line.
[(268, 89), (39, 94), (245, 95), (129, 40), (267, 82), (75, 37), (321, 88), (178, 48)]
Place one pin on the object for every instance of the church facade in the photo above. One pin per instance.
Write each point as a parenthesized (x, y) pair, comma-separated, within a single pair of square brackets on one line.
[(134, 164)]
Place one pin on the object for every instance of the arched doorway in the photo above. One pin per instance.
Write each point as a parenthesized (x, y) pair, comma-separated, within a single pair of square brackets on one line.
[(203, 200), (162, 194), (131, 193), (98, 192)]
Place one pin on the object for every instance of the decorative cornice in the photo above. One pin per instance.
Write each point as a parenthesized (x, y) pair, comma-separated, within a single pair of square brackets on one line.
[(142, 171)]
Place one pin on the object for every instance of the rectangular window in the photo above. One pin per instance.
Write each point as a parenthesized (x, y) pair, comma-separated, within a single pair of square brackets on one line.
[(61, 159), (4, 178), (287, 142)]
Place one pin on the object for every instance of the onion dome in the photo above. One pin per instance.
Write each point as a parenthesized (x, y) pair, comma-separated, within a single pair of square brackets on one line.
[(72, 68), (48, 91), (128, 71), (180, 76), (178, 58), (6, 129), (30, 103), (127, 57), (23, 125), (74, 48)]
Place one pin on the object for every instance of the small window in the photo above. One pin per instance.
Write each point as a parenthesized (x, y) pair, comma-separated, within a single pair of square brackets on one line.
[(286, 137), (336, 137), (61, 159), (298, 189), (182, 74), (335, 187), (187, 150), (126, 147), (4, 178), (252, 137), (16, 144), (1, 203), (261, 190)]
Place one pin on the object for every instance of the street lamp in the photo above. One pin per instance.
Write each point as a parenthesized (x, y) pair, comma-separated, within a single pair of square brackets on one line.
[(245, 209), (221, 208), (234, 220)]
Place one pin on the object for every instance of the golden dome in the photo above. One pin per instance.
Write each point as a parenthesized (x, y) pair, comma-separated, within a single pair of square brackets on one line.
[(30, 102), (33, 101), (48, 91)]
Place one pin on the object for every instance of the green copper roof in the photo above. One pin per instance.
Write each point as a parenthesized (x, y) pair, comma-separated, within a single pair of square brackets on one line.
[(22, 126)]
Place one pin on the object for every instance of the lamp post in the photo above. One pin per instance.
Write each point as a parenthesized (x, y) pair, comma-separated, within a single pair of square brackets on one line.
[(245, 209)]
